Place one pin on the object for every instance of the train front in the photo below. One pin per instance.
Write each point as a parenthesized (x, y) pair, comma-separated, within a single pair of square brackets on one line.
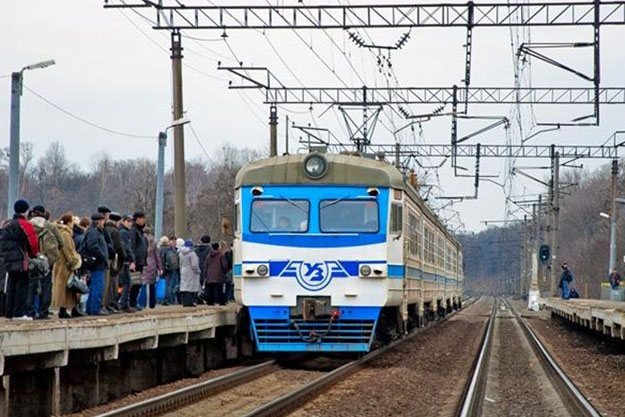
[(311, 253)]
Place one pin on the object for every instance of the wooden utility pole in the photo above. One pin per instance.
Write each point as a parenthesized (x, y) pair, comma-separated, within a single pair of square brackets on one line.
[(180, 192)]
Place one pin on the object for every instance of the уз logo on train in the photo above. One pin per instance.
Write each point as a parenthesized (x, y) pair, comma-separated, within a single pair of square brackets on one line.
[(314, 275)]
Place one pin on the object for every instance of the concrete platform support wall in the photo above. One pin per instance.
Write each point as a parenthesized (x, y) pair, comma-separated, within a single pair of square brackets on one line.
[(89, 379), (29, 390)]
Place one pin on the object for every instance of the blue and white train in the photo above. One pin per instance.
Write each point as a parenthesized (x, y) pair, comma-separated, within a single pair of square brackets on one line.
[(337, 253)]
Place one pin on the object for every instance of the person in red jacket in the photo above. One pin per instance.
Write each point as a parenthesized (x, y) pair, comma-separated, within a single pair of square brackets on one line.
[(18, 243)]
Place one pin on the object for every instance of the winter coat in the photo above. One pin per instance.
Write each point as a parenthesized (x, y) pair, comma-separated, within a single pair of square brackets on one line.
[(566, 276), (215, 268), (95, 245), (109, 243), (154, 265), (615, 279), (202, 251), (124, 235), (69, 261), (170, 259), (189, 271), (118, 247), (229, 262), (79, 233), (18, 239), (139, 245), (50, 240)]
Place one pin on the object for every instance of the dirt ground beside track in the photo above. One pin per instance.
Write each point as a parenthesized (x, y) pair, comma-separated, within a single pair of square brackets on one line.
[(595, 364)]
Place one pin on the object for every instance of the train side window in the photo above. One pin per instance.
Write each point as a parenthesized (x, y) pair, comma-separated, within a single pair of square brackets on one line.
[(397, 214)]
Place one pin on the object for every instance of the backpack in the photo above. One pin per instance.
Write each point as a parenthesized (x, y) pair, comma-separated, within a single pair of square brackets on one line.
[(171, 261), (48, 244)]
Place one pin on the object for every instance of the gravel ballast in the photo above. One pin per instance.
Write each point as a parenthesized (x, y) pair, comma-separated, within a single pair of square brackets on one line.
[(594, 364), (423, 376)]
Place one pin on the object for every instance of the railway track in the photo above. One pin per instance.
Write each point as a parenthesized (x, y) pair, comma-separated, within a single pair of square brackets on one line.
[(475, 399), (269, 375)]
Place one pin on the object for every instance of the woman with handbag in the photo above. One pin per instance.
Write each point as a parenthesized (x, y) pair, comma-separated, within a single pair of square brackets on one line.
[(69, 261), (151, 271)]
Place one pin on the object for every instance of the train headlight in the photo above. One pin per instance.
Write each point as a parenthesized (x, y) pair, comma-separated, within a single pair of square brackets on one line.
[(315, 166), (365, 270), (262, 270)]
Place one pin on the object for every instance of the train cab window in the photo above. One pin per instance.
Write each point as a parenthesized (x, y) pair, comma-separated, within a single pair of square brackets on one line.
[(348, 216), (396, 218), (279, 216)]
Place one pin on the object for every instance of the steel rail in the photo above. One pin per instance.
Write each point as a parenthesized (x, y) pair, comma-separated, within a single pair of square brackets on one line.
[(193, 393), (472, 398), (570, 394), (290, 401)]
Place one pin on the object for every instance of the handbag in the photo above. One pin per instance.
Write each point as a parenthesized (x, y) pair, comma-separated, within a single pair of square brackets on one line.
[(77, 285), (135, 278)]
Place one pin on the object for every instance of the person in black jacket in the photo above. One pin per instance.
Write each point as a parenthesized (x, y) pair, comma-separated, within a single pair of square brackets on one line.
[(203, 250), (94, 246), (110, 291), (139, 248), (17, 239), (129, 264)]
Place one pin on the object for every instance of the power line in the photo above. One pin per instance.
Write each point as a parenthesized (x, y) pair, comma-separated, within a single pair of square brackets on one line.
[(197, 139), (85, 121), (159, 46)]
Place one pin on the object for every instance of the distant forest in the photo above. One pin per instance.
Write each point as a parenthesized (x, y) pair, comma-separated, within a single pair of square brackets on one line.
[(491, 257), (127, 185)]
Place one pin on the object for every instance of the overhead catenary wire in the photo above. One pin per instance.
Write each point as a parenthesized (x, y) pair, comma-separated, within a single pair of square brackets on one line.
[(83, 120), (199, 142)]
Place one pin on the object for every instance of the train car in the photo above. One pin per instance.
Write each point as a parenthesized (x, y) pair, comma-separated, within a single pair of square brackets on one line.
[(337, 253)]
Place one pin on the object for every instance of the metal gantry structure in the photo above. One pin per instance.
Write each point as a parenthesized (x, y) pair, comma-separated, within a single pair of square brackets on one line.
[(175, 16)]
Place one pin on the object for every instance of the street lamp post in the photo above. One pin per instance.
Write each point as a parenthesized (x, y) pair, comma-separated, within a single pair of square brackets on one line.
[(613, 220), (17, 79), (160, 177)]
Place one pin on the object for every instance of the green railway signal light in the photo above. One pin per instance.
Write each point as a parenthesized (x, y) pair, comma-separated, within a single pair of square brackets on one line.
[(544, 253)]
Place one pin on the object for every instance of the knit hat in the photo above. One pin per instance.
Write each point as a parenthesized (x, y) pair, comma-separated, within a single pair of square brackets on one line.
[(164, 241), (205, 239), (20, 206), (138, 214), (97, 216), (188, 243), (115, 216), (38, 209)]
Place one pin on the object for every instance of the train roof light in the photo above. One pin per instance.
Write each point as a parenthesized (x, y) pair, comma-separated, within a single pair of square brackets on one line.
[(315, 166)]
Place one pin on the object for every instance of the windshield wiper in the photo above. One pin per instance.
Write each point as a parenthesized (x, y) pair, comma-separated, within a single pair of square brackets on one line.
[(261, 220), (293, 203), (331, 203)]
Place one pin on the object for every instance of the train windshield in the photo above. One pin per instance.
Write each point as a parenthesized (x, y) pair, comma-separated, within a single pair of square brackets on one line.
[(279, 216), (348, 216)]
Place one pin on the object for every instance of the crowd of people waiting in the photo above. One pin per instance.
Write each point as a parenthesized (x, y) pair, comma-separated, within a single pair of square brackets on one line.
[(102, 265)]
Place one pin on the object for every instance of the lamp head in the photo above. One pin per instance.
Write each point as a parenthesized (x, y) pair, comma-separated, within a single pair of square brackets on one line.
[(42, 64)]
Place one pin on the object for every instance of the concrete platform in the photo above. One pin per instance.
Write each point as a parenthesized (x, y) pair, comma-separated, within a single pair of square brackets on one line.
[(607, 317), (69, 365), (153, 328)]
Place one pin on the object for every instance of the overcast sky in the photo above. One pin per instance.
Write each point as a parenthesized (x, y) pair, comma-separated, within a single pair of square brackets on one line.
[(113, 70)]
